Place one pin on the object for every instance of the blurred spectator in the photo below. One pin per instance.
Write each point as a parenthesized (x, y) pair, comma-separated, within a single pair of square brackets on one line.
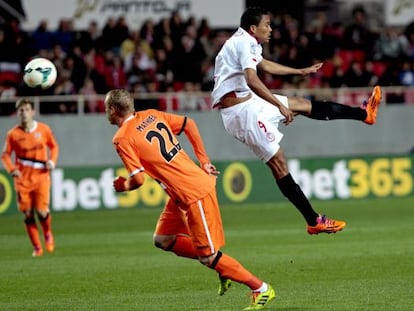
[(57, 55), (114, 74), (357, 35), (188, 58), (409, 40), (147, 31), (406, 75), (164, 62), (337, 80), (390, 76), (161, 30), (204, 35), (322, 43), (92, 103), (128, 47), (89, 39), (139, 66), (76, 64), (389, 45), (42, 37), (94, 71), (370, 75), (360, 74), (64, 86), (121, 33), (64, 35), (10, 66), (109, 35), (176, 27)]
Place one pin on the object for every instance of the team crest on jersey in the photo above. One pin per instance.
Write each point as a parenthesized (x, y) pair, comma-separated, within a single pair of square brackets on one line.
[(37, 135), (254, 49), (270, 137)]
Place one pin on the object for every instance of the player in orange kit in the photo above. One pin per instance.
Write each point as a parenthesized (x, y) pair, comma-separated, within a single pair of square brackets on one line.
[(35, 154), (190, 224)]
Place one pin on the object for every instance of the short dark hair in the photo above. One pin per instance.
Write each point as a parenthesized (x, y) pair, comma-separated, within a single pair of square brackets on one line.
[(252, 16), (24, 101)]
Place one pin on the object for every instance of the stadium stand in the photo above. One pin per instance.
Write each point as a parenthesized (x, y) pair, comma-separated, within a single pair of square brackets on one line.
[(177, 55)]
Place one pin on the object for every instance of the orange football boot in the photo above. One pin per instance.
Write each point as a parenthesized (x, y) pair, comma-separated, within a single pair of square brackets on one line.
[(50, 242), (372, 106), (326, 225), (37, 252)]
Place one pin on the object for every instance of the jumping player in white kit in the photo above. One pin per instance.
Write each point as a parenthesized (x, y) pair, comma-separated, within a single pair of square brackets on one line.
[(251, 113)]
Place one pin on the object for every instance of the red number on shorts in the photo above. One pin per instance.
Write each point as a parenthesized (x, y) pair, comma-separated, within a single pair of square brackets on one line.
[(262, 126)]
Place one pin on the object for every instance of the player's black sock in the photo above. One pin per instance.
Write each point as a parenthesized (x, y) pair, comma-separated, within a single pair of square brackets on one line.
[(292, 191), (327, 110)]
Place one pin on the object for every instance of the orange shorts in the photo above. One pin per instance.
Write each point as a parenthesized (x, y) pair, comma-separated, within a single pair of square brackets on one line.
[(35, 198), (200, 220)]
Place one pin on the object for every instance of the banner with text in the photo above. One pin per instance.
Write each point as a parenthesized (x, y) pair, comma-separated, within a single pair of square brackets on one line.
[(135, 12), (239, 182)]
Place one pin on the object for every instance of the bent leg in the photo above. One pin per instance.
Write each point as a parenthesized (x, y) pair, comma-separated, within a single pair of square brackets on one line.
[(229, 268), (172, 234), (181, 245)]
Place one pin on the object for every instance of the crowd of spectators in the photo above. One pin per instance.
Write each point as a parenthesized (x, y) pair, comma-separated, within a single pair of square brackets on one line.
[(177, 55)]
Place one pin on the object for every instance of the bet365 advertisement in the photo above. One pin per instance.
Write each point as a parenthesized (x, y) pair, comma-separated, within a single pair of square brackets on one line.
[(239, 182)]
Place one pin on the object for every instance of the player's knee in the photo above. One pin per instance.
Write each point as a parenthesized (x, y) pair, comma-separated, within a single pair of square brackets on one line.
[(165, 242), (278, 164), (205, 260), (29, 219), (43, 214), (210, 261), (300, 105), (28, 216)]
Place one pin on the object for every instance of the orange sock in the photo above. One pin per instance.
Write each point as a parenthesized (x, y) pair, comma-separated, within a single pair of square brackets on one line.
[(183, 246), (33, 233), (230, 268), (46, 224)]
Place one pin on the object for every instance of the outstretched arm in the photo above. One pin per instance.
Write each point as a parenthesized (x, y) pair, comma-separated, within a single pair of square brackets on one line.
[(278, 69)]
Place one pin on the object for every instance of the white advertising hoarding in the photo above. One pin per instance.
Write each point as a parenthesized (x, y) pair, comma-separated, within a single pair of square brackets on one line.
[(399, 12), (219, 13)]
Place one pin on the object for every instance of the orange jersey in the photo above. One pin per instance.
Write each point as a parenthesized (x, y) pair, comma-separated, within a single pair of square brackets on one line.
[(31, 152), (146, 142)]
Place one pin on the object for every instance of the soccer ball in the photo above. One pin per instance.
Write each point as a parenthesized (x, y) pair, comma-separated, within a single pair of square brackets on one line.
[(40, 72)]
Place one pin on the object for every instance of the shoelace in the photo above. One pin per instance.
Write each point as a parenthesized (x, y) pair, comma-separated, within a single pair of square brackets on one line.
[(325, 220), (364, 104)]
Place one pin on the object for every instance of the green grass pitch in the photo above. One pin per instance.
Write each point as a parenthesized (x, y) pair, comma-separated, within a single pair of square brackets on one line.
[(104, 260)]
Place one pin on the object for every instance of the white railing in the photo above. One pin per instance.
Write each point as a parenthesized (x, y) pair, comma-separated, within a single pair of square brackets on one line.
[(199, 101)]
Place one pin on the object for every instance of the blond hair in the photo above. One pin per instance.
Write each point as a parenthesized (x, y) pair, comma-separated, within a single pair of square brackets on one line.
[(121, 100)]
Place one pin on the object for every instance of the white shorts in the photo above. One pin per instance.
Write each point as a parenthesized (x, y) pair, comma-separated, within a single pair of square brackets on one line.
[(255, 123)]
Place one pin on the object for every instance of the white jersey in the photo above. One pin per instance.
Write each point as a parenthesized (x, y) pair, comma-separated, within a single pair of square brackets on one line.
[(255, 121), (241, 51)]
